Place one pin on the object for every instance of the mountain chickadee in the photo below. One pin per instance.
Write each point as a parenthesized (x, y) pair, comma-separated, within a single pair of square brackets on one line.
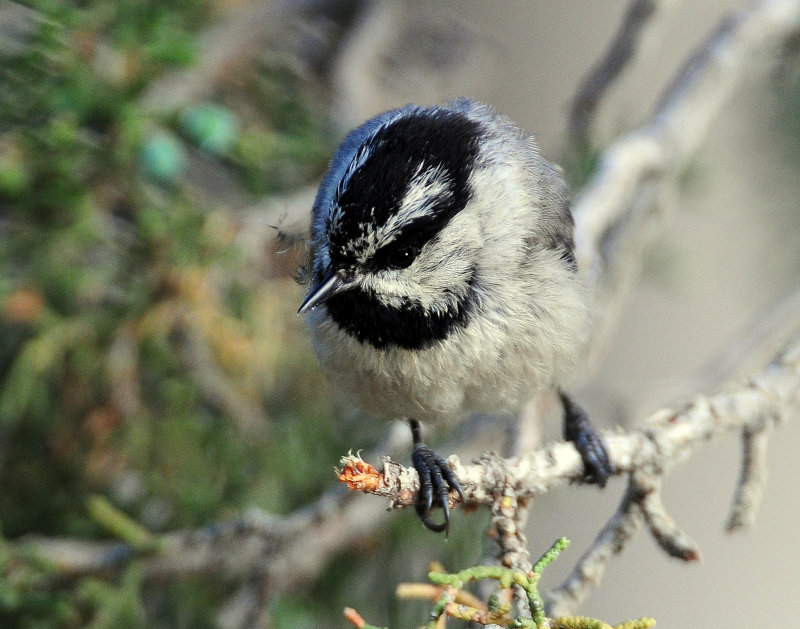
[(444, 279)]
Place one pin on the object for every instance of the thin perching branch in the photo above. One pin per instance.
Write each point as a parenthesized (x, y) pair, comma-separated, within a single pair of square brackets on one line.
[(668, 437), (646, 456)]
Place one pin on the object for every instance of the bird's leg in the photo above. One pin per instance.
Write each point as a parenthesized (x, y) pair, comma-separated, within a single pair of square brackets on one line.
[(597, 467), (436, 480)]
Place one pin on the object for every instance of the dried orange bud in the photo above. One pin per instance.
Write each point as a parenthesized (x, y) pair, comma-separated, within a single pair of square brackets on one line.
[(360, 475)]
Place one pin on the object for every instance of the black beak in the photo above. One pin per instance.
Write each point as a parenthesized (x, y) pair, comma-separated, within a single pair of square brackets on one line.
[(329, 286)]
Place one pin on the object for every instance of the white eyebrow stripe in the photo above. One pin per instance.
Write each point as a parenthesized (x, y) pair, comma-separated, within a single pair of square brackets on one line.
[(426, 189)]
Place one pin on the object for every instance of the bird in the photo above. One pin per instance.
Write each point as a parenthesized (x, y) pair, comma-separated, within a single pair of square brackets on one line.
[(443, 279)]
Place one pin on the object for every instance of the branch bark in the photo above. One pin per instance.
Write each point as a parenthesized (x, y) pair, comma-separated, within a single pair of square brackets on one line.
[(646, 456)]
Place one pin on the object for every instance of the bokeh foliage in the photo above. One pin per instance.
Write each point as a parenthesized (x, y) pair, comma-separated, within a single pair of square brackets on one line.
[(143, 357)]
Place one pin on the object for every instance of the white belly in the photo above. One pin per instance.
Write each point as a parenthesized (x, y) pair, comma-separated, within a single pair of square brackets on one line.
[(488, 366)]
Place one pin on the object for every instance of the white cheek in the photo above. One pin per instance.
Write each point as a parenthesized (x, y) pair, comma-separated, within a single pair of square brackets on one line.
[(440, 274)]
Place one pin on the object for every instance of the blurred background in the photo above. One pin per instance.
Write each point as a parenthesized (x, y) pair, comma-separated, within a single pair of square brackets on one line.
[(152, 366)]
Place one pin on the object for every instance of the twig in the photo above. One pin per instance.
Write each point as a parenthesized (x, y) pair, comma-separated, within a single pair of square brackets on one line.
[(588, 572), (636, 172), (507, 527), (230, 43), (673, 541), (669, 436), (118, 523), (600, 77), (752, 480)]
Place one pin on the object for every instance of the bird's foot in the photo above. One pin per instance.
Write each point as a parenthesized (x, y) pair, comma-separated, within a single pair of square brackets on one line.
[(436, 481), (588, 442)]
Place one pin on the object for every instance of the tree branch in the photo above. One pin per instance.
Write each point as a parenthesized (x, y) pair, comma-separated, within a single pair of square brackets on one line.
[(629, 195), (607, 70), (282, 551), (668, 437), (646, 456)]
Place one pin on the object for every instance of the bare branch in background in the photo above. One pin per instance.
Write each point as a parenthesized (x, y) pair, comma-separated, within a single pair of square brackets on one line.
[(277, 552), (607, 70), (281, 552), (637, 173), (235, 40)]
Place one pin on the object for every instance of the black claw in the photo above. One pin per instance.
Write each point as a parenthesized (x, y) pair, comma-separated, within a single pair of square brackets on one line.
[(425, 495), (436, 480), (590, 445)]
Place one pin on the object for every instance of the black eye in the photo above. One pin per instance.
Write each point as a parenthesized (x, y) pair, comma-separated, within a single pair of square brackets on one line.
[(400, 258)]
